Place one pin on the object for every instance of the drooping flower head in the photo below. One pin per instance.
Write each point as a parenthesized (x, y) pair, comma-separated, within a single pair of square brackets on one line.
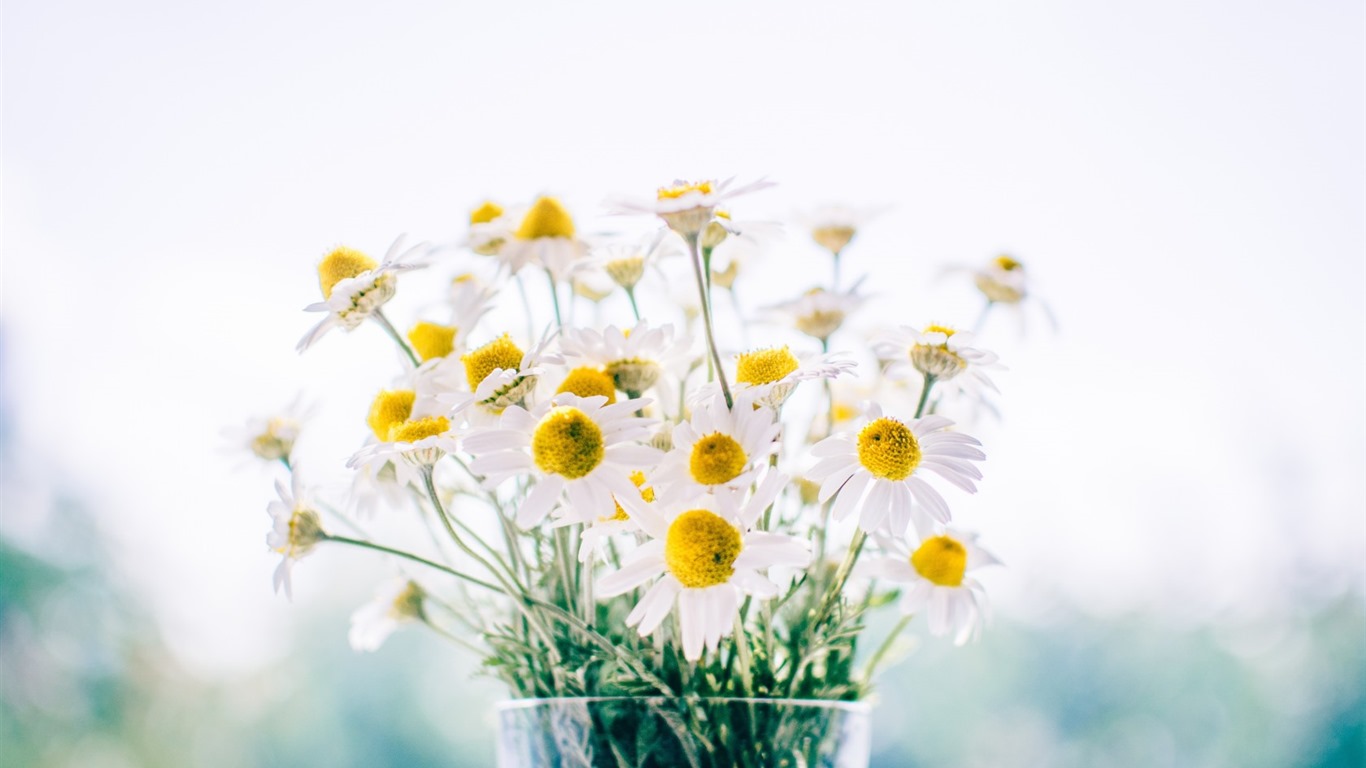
[(396, 603), (354, 286), (546, 237), (296, 530), (939, 351)]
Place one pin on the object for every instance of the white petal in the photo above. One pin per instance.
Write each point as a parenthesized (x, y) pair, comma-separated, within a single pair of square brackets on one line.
[(643, 565), (539, 502)]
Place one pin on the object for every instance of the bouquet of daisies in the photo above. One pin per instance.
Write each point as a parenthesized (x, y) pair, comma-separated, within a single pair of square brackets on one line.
[(654, 506)]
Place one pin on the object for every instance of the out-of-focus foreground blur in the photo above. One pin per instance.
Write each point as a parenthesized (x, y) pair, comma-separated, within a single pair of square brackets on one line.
[(1175, 481)]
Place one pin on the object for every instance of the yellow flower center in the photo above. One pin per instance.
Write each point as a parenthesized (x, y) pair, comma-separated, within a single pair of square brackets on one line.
[(431, 341), (681, 188), (389, 409), (765, 366), (1006, 263), (417, 429), (717, 459), (499, 353), (587, 381), (547, 218), (888, 449), (567, 443), (340, 264), (941, 560), (648, 494), (701, 548), (833, 239), (944, 329), (486, 212)]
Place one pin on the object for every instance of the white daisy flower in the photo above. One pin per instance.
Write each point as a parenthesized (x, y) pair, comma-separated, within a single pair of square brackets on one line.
[(354, 287), (500, 374), (296, 531), (818, 313), (576, 446), (938, 351), (707, 559), (719, 447), (626, 262), (688, 207), (939, 586), (772, 373), (593, 541), (1002, 280), (546, 238), (490, 228), (881, 472), (635, 358), (396, 603), (833, 226), (420, 442), (270, 438)]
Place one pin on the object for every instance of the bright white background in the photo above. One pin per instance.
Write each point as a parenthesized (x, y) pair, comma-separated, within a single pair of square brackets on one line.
[(1184, 180)]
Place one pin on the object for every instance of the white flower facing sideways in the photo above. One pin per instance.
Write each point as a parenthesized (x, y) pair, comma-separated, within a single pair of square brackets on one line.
[(296, 529), (687, 207), (545, 238), (398, 602), (578, 446), (818, 313), (881, 471), (718, 448), (945, 353), (636, 358), (707, 557), (772, 373), (938, 584), (354, 287)]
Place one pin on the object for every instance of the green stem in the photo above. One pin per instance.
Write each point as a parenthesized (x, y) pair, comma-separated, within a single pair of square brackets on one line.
[(832, 595), (884, 648), (412, 557), (393, 334), (924, 394), (635, 310), (835, 286), (554, 298), (706, 320)]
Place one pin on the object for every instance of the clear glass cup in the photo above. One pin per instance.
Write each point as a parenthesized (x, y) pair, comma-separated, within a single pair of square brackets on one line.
[(662, 732)]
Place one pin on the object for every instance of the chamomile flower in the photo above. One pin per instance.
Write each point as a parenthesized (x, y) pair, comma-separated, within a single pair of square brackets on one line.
[(1002, 280), (688, 207), (396, 603), (881, 472), (500, 374), (834, 226), (419, 442), (772, 373), (546, 238), (938, 584), (818, 313), (939, 351), (593, 541), (635, 358), (269, 438), (719, 448), (296, 530), (626, 262), (573, 446), (355, 287), (707, 558), (490, 228)]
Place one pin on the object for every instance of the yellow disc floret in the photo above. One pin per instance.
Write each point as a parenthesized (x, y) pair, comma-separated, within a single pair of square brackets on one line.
[(340, 264), (648, 494), (389, 409), (681, 188), (765, 366), (717, 459), (701, 548), (416, 429), (941, 561), (431, 341), (1007, 264), (587, 381), (567, 443), (888, 449), (486, 212), (547, 218), (499, 353)]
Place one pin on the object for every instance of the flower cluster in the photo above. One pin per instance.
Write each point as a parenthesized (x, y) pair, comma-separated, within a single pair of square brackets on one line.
[(648, 504)]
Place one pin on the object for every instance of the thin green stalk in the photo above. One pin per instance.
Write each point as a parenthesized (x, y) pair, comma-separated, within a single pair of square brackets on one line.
[(835, 286), (884, 648), (706, 320), (393, 334), (832, 595), (460, 641), (635, 309), (924, 394), (554, 298), (982, 318), (410, 556)]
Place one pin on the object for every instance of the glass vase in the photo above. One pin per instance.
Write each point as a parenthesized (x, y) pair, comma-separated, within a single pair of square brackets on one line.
[(662, 732)]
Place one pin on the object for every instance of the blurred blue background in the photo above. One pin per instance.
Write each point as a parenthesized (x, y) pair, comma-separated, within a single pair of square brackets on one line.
[(1176, 483)]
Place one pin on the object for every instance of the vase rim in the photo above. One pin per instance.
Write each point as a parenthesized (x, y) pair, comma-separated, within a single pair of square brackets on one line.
[(860, 707)]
